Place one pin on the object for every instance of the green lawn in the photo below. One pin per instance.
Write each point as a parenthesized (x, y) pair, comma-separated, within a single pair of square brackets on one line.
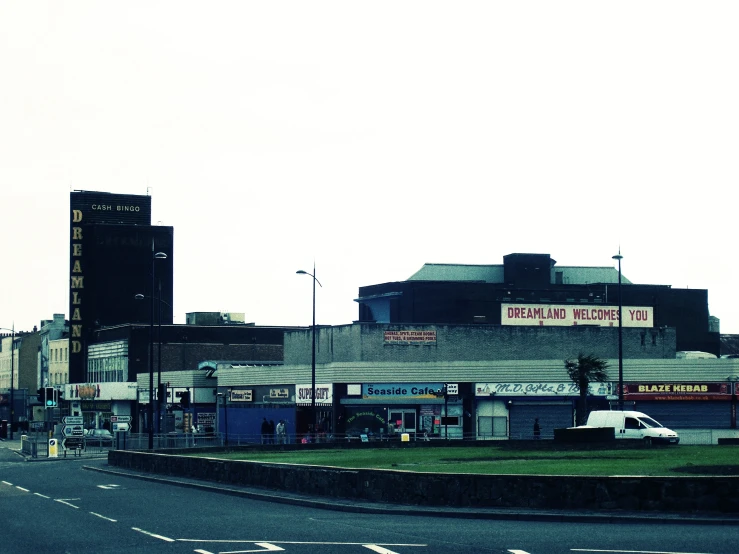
[(660, 461)]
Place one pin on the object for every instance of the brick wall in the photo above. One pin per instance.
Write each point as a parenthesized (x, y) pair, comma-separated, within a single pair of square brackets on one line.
[(364, 342), (648, 494)]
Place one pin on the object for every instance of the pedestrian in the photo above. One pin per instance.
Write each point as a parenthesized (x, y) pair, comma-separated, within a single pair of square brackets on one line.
[(194, 433), (537, 429), (280, 429), (271, 431), (265, 430)]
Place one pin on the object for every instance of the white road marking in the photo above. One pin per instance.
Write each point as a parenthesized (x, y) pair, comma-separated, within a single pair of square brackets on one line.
[(103, 517), (378, 549), (41, 495), (306, 542), (153, 535), (6, 483), (21, 489), (518, 552), (266, 547), (634, 551), (62, 501), (108, 487), (202, 551)]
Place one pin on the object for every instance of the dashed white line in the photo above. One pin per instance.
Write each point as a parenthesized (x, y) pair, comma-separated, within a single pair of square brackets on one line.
[(378, 549), (103, 517), (62, 501), (21, 489), (518, 552), (6, 483), (633, 551), (266, 547), (153, 534), (41, 495)]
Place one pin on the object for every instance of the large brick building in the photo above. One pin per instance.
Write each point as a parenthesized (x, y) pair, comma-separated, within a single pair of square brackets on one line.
[(490, 294)]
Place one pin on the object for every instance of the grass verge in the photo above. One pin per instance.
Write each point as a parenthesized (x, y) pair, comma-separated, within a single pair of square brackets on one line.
[(661, 461)]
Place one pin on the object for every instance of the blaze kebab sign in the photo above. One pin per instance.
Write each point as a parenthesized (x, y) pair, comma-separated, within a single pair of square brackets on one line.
[(677, 391), (578, 314)]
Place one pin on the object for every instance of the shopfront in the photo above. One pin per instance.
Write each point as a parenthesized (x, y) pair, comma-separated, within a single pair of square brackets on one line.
[(387, 410), (685, 405), (510, 409), (97, 402)]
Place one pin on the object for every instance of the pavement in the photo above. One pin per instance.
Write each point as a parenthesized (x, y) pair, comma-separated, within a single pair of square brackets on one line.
[(11, 451)]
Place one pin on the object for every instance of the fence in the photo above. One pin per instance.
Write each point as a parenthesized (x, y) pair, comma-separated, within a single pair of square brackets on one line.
[(36, 445)]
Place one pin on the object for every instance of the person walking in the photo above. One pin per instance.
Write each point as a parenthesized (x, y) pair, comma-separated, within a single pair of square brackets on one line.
[(265, 430), (537, 429), (281, 432)]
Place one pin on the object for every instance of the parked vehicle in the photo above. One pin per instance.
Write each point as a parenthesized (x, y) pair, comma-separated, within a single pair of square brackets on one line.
[(101, 437), (633, 425)]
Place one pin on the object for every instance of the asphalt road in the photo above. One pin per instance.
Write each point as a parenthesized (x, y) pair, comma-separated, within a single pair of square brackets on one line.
[(75, 506)]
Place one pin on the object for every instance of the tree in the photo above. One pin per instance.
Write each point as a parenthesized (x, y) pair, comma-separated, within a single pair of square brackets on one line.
[(583, 371)]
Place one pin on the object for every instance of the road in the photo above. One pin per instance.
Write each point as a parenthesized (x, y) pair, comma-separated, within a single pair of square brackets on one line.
[(61, 507)]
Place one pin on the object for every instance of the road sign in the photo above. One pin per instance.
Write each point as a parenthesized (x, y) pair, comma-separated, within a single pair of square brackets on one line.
[(72, 443), (120, 419), (73, 431), (121, 427), (72, 420)]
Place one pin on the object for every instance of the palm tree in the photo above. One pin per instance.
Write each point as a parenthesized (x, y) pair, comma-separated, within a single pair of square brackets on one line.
[(583, 371)]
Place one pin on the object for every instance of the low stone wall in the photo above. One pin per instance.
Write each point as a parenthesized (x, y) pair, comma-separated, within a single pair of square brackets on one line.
[(657, 494)]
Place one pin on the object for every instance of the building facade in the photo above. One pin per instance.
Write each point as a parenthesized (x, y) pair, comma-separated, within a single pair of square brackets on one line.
[(531, 290), (113, 258)]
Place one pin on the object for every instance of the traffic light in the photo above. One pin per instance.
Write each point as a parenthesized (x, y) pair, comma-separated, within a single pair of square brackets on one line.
[(50, 397), (185, 399)]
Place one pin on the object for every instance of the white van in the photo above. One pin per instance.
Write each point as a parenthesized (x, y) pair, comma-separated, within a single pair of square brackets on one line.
[(633, 425)]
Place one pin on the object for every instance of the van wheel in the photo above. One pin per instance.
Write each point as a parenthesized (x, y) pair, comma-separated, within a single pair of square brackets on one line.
[(647, 441)]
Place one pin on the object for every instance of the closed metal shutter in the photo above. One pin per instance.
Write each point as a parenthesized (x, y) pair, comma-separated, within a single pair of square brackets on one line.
[(689, 415), (551, 416)]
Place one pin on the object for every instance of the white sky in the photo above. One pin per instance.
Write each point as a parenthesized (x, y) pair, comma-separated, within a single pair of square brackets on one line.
[(372, 138)]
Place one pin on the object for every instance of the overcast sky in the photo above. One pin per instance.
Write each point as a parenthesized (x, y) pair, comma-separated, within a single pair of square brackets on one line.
[(371, 138)]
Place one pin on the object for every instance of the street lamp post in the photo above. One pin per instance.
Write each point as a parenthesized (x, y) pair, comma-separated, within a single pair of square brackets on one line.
[(225, 396), (159, 350), (159, 359), (619, 257), (12, 376), (154, 257), (313, 349)]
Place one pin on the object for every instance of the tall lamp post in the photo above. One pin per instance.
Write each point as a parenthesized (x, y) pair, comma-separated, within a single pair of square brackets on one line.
[(12, 375), (154, 258), (225, 396), (313, 349), (619, 257)]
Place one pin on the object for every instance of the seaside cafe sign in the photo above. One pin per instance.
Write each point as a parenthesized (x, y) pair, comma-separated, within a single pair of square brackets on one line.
[(575, 314)]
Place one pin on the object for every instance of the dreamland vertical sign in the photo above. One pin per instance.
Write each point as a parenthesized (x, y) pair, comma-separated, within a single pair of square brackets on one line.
[(88, 208)]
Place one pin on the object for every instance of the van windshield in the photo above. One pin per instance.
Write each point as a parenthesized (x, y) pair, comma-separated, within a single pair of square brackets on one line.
[(649, 422)]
